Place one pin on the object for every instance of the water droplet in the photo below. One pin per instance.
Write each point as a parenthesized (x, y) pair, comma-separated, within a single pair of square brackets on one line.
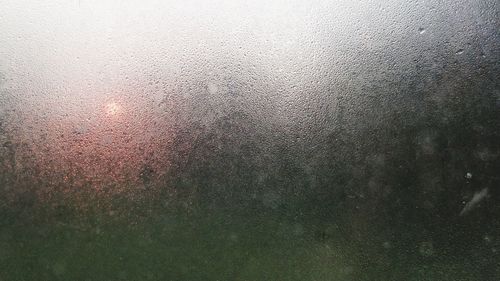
[(212, 88), (426, 249), (487, 238)]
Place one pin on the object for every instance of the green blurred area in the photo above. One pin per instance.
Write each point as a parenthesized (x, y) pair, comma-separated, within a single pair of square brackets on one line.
[(226, 245)]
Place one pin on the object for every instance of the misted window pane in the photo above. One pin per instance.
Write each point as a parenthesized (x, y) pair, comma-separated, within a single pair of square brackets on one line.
[(249, 140)]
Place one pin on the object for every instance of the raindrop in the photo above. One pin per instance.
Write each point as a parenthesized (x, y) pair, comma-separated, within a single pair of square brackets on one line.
[(487, 238), (426, 249)]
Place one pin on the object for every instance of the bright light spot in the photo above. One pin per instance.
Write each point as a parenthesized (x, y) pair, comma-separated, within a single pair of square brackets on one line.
[(113, 108)]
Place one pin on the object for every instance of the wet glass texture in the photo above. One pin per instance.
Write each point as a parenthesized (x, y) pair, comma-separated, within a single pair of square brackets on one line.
[(249, 140)]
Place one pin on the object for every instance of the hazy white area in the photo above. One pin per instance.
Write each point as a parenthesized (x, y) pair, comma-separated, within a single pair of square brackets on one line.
[(103, 87)]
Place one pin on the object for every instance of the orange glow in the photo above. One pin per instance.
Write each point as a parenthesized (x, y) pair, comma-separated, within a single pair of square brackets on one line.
[(113, 108)]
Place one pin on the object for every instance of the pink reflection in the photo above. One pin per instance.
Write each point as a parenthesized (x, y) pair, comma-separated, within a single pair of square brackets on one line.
[(102, 146)]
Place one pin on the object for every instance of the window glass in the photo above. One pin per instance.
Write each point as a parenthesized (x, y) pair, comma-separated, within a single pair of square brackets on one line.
[(249, 140)]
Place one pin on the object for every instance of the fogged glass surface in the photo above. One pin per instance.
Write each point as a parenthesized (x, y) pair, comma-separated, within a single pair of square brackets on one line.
[(249, 140)]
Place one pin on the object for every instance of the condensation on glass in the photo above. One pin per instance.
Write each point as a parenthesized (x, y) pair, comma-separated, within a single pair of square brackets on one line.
[(249, 140)]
